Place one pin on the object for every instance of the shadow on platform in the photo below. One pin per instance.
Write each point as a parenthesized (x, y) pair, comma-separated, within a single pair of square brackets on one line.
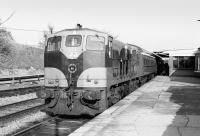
[(187, 100), (183, 73), (186, 79)]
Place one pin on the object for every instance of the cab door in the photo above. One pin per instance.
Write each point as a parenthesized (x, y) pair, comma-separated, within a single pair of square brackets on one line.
[(109, 52)]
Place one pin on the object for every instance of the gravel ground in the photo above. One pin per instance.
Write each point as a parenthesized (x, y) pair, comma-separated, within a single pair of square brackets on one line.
[(13, 126), (20, 72), (18, 98)]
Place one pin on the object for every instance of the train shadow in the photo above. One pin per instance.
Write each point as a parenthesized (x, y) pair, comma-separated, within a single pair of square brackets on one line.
[(183, 73), (183, 102), (63, 125), (84, 116)]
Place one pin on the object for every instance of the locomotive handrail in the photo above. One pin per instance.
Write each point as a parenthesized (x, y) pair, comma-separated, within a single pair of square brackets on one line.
[(20, 78)]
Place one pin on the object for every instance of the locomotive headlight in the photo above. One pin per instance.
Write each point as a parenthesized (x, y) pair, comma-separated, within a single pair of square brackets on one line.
[(72, 68)]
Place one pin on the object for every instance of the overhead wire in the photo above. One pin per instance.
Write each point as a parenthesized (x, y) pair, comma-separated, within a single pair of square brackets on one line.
[(7, 18), (21, 29)]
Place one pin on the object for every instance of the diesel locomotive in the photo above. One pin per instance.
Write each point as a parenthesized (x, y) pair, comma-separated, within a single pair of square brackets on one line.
[(86, 71)]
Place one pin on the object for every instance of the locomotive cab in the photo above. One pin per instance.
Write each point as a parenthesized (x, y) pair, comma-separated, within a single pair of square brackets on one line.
[(75, 72)]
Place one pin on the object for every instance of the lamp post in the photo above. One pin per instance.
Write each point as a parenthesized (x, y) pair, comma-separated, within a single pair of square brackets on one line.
[(197, 55)]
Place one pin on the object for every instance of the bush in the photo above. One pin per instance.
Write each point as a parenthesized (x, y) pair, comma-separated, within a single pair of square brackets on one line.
[(13, 55)]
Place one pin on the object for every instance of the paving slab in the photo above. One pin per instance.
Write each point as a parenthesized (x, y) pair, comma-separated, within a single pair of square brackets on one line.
[(161, 107), (189, 131), (193, 121)]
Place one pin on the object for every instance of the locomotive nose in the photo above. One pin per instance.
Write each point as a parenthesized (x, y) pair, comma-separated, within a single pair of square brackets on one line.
[(73, 68)]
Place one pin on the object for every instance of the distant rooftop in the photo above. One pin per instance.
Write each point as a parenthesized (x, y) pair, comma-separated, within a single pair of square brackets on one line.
[(182, 52)]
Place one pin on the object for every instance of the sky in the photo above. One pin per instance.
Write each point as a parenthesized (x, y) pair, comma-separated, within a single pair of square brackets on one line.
[(154, 25)]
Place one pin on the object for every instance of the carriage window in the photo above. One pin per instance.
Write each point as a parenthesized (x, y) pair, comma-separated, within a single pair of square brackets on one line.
[(54, 43), (95, 43), (73, 40)]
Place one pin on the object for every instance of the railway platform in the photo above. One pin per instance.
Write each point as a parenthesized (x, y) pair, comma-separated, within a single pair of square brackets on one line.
[(165, 106)]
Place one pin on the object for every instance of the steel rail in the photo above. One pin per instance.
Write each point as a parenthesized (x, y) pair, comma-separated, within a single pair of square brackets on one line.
[(70, 125), (4, 119), (32, 127), (19, 103), (19, 90), (20, 79)]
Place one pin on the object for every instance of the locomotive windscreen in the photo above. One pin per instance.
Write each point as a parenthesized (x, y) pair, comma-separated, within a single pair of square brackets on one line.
[(54, 43), (73, 40)]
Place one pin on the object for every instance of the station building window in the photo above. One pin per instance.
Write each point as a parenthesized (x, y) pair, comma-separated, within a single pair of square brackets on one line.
[(183, 62), (197, 63)]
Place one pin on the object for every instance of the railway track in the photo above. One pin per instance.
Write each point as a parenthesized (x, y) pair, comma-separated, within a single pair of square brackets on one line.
[(53, 126), (12, 112), (12, 86), (20, 79), (47, 126), (19, 90), (17, 104), (29, 128)]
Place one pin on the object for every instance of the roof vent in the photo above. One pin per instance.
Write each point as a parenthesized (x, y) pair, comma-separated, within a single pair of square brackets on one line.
[(78, 26)]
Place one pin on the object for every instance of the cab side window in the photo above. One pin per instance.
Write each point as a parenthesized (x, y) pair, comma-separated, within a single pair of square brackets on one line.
[(54, 43), (95, 43), (110, 54)]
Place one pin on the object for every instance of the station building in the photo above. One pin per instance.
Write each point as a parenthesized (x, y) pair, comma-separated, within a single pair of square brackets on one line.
[(184, 62), (197, 61)]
